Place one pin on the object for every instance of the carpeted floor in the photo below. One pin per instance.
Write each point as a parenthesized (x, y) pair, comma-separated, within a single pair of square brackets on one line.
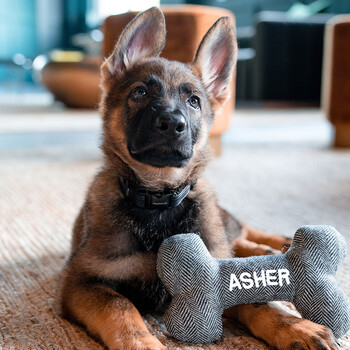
[(275, 188)]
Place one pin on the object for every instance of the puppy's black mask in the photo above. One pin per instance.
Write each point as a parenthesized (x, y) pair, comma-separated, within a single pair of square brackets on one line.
[(164, 118)]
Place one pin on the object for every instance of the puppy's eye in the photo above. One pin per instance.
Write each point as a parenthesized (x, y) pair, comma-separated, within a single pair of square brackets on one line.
[(194, 102), (139, 93)]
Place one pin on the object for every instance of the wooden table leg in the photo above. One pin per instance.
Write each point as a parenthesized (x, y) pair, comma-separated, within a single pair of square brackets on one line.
[(342, 135)]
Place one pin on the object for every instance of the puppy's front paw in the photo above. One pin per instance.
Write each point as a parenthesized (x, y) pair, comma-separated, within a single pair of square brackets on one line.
[(302, 334), (147, 342), (286, 244)]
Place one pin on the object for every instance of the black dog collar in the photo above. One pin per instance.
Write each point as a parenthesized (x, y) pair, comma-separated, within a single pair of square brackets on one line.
[(146, 199)]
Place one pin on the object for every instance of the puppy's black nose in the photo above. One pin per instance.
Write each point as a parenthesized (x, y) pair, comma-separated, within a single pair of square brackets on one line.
[(171, 124)]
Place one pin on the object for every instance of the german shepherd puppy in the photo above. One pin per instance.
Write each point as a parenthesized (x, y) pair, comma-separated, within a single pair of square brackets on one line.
[(156, 119)]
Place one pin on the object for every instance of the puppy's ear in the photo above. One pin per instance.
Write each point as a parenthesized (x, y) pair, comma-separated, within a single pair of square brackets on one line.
[(144, 36), (216, 58)]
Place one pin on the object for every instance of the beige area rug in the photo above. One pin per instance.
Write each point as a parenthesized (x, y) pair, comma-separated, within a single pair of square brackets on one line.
[(273, 188)]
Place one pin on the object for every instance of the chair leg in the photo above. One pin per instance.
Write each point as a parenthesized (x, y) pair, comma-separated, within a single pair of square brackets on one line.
[(342, 135)]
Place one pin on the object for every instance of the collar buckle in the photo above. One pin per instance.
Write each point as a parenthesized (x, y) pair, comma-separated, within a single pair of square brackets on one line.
[(143, 198), (159, 200)]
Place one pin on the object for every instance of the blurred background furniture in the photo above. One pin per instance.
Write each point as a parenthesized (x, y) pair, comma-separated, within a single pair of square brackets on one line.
[(77, 83), (336, 78), (285, 60)]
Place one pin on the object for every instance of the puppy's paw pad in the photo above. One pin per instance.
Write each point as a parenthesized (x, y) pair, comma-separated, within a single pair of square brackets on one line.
[(303, 334)]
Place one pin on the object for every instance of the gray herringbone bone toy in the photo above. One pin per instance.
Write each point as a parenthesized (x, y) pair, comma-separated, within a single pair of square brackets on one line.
[(202, 287)]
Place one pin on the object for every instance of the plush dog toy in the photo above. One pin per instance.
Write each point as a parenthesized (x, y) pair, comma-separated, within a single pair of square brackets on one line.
[(202, 286)]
